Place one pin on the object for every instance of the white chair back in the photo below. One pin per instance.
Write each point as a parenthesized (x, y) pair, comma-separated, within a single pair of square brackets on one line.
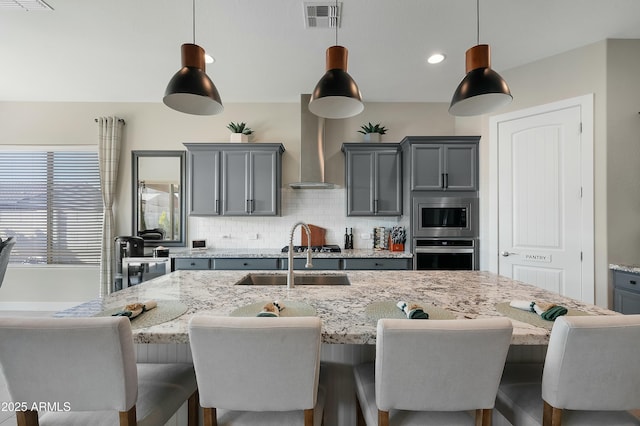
[(86, 362), (5, 252), (256, 364), (590, 363), (444, 365)]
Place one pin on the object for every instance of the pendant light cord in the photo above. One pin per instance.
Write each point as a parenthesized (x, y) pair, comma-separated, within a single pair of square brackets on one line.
[(337, 21), (477, 22), (193, 8)]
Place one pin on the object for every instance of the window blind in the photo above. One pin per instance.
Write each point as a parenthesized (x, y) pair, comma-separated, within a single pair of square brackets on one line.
[(51, 202)]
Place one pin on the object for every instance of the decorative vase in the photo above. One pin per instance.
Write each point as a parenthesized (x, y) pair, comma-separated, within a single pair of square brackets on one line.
[(372, 137), (239, 137)]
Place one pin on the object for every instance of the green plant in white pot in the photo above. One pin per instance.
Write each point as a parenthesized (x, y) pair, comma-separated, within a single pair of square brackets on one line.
[(372, 132), (239, 132)]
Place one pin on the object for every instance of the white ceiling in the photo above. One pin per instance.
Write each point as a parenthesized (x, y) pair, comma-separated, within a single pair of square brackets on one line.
[(127, 50)]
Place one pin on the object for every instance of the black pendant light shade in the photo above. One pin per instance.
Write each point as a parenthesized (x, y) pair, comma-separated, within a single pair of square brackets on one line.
[(336, 95), (482, 90), (190, 90)]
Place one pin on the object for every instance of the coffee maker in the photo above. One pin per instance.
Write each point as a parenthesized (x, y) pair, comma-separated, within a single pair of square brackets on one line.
[(124, 246)]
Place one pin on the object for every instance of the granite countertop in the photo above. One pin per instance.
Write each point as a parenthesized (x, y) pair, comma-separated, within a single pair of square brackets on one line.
[(625, 268), (277, 253), (465, 294)]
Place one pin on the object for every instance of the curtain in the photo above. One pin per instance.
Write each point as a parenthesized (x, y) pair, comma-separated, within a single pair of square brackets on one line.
[(109, 141)]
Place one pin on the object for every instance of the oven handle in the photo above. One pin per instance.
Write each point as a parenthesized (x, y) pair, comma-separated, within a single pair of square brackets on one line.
[(419, 250)]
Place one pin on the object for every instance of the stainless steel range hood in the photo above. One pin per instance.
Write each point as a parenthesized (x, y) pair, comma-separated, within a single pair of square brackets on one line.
[(311, 149)]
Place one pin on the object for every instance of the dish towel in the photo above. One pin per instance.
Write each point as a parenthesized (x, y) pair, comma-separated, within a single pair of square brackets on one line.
[(134, 310), (547, 311), (413, 311), (271, 309)]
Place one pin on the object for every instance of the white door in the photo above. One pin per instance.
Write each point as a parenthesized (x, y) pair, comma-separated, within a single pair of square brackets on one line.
[(540, 220)]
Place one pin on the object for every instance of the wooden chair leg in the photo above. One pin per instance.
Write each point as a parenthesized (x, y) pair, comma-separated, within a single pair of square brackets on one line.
[(209, 416), (193, 409), (128, 418), (483, 416), (308, 417), (27, 418), (383, 418), (551, 416)]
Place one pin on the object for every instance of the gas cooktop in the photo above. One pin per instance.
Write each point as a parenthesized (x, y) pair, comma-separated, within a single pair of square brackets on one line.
[(327, 248)]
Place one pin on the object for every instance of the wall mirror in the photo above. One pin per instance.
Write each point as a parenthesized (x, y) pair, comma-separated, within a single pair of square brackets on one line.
[(158, 179)]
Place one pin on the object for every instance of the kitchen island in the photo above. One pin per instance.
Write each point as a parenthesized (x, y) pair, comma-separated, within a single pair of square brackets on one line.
[(348, 331), (465, 294)]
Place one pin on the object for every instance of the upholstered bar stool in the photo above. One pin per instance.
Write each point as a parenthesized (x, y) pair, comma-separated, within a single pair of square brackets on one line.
[(82, 371), (433, 372), (258, 371), (590, 376)]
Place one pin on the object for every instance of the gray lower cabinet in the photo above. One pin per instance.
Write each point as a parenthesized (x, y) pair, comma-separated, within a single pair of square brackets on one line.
[(373, 174), (443, 163), (235, 179), (377, 263), (245, 263), (318, 264), (199, 263), (626, 292)]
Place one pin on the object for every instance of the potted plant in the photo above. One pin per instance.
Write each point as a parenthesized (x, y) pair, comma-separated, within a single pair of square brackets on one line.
[(239, 132), (372, 132)]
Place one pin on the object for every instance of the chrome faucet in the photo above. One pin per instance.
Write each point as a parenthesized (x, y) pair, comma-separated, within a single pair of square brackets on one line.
[(309, 264)]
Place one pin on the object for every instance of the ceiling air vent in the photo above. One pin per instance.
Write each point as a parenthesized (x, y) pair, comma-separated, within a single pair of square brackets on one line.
[(322, 15), (28, 5)]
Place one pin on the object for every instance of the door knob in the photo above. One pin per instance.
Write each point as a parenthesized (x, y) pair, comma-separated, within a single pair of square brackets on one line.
[(507, 254)]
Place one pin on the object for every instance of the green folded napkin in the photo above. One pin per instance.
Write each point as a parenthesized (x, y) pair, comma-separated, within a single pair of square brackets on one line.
[(412, 311), (553, 313)]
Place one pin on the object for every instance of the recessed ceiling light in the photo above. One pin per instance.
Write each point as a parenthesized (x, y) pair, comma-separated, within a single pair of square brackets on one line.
[(436, 58), (208, 59)]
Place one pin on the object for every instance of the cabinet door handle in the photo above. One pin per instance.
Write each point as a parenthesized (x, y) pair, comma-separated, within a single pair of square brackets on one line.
[(375, 206), (245, 264), (246, 207), (253, 206), (217, 206), (446, 180), (632, 282)]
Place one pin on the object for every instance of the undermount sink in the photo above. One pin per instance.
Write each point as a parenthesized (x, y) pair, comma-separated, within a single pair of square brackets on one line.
[(281, 279)]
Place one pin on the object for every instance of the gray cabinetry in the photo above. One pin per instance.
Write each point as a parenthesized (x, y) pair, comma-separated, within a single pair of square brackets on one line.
[(191, 264), (235, 179), (443, 163), (248, 263), (204, 182), (373, 176), (318, 264), (626, 292), (378, 263)]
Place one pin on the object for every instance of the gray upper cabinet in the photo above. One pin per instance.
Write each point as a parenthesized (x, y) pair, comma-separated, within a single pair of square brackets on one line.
[(374, 179), (247, 178), (203, 181), (443, 163)]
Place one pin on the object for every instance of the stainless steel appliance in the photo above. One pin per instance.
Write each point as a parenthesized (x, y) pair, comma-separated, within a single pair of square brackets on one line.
[(124, 246), (139, 269), (445, 217), (447, 254)]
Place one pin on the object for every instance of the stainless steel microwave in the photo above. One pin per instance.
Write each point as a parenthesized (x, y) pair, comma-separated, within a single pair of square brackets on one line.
[(445, 217)]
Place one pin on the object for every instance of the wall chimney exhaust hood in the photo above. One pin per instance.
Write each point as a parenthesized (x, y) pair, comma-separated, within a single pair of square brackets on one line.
[(311, 149)]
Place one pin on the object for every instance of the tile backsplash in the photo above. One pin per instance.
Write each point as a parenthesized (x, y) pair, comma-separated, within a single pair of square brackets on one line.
[(321, 207)]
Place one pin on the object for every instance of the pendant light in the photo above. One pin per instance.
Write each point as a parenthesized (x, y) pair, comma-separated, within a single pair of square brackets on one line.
[(191, 90), (336, 95), (482, 90)]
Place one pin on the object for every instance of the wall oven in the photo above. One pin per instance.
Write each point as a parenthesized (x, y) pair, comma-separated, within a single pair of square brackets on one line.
[(445, 254), (455, 217)]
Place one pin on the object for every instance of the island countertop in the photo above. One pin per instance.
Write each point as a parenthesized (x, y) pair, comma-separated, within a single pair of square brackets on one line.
[(465, 294)]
